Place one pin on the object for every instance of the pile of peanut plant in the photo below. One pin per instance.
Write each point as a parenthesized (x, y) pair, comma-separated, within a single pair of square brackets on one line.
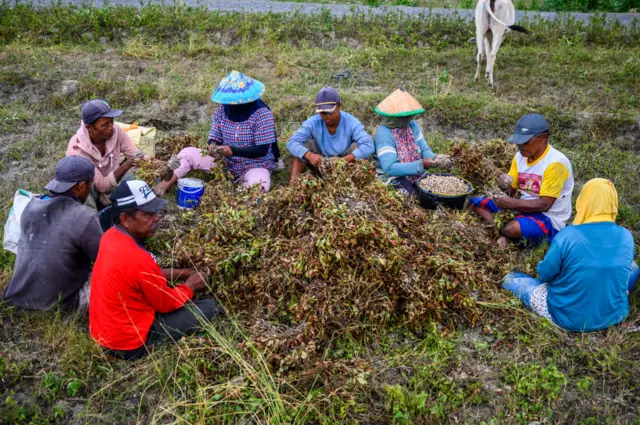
[(336, 253)]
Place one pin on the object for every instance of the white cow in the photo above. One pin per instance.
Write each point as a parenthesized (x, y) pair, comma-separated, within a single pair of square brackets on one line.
[(497, 21)]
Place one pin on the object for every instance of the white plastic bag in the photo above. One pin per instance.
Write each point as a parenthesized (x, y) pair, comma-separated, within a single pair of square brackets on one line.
[(12, 226)]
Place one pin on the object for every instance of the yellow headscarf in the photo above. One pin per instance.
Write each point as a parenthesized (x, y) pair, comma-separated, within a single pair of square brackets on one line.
[(598, 201)]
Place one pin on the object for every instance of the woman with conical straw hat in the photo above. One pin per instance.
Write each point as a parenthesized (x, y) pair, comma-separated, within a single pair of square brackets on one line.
[(587, 274), (402, 151)]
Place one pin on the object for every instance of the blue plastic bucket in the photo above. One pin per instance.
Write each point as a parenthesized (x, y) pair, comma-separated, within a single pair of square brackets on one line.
[(189, 192)]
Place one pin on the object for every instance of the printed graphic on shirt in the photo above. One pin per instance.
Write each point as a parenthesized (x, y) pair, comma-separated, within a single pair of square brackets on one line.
[(530, 182)]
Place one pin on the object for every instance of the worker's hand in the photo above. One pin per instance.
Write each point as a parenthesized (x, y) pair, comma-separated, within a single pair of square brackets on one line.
[(427, 162), (146, 157), (504, 181), (444, 161), (197, 281), (132, 162), (314, 159), (349, 158), (503, 202), (226, 151)]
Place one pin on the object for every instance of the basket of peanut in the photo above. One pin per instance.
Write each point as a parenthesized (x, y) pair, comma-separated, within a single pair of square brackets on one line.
[(443, 189)]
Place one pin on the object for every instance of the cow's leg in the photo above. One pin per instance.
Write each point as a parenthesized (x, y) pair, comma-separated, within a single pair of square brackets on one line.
[(487, 49), (498, 36), (479, 51)]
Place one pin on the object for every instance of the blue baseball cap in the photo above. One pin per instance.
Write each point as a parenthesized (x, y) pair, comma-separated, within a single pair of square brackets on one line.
[(527, 127), (98, 108), (327, 100), (69, 171)]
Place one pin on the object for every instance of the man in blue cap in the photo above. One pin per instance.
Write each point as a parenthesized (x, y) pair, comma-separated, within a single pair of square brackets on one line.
[(58, 243), (102, 142), (538, 186), (329, 133)]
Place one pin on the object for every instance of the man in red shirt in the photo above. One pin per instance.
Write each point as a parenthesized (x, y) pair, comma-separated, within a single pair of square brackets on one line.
[(132, 307)]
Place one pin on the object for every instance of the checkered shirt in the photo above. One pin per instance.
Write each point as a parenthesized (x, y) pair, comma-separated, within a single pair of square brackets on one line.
[(259, 129)]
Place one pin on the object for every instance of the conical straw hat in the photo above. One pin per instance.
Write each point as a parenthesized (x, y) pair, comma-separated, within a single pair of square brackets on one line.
[(399, 104)]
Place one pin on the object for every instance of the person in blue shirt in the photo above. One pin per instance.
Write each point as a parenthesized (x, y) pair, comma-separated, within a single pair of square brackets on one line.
[(401, 150), (588, 270), (329, 133)]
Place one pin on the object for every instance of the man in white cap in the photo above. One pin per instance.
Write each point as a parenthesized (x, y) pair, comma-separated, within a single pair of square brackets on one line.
[(102, 142), (132, 305), (329, 133), (58, 243)]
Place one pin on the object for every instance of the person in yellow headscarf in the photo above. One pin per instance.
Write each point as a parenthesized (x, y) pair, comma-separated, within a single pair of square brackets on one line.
[(589, 269)]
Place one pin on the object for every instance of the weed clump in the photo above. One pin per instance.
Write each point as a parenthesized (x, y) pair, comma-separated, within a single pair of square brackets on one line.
[(482, 164), (334, 254), (166, 148)]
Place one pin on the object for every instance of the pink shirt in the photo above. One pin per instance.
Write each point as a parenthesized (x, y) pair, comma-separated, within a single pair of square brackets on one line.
[(81, 145)]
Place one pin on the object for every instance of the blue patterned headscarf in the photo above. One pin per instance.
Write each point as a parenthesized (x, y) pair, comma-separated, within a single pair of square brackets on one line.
[(237, 89)]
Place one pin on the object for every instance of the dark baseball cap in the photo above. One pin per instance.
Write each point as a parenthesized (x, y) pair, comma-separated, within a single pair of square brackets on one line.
[(327, 100), (136, 194), (527, 127), (69, 171), (98, 108)]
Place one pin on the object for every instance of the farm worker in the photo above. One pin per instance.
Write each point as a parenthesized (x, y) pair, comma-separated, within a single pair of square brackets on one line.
[(59, 242), (329, 133), (401, 149), (588, 270), (132, 306), (243, 129), (543, 178), (102, 142)]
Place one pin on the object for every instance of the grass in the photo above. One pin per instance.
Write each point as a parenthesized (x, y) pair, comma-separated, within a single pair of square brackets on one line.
[(161, 65), (542, 5)]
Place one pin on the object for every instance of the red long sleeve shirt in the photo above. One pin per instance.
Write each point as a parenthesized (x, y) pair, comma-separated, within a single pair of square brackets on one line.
[(127, 289)]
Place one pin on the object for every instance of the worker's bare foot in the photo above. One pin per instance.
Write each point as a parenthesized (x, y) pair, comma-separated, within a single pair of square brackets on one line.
[(502, 242), (161, 188)]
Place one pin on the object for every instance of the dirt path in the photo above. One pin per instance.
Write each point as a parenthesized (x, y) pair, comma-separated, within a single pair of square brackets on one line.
[(263, 6)]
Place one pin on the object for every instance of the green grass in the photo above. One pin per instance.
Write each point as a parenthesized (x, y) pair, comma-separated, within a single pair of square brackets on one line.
[(161, 66), (621, 6)]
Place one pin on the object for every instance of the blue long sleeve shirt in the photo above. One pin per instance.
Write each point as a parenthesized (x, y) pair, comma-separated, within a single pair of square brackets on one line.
[(587, 269), (388, 155), (349, 130)]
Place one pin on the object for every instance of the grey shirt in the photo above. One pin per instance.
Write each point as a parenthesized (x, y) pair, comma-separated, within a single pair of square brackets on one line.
[(58, 243)]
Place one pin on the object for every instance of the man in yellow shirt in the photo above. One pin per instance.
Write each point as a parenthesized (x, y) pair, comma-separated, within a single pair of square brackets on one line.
[(539, 186)]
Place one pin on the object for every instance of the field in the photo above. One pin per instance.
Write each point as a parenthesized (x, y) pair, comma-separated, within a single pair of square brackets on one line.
[(484, 359), (544, 5)]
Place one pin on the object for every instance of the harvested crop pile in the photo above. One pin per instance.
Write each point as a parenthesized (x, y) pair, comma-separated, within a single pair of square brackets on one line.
[(169, 146), (335, 254), (446, 185), (482, 164), (167, 150), (150, 171)]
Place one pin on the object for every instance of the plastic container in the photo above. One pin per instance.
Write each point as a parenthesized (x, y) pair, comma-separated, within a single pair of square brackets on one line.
[(430, 200), (189, 193)]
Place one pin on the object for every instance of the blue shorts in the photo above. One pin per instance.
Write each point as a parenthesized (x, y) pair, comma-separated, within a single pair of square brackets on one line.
[(535, 228)]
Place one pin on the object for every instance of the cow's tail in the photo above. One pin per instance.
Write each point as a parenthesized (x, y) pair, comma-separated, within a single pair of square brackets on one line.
[(511, 27)]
